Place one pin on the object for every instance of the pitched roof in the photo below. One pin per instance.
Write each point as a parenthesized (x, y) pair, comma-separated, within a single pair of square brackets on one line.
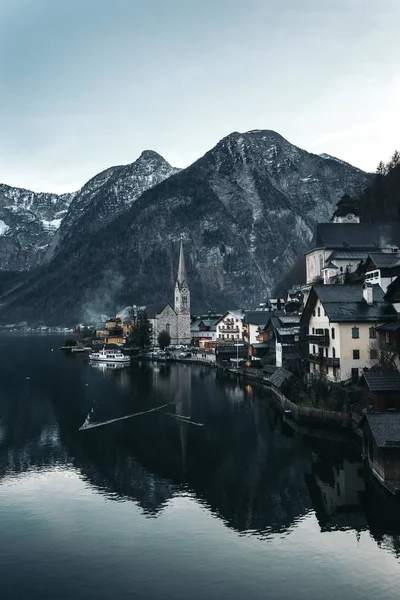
[(383, 382), (357, 235), (237, 314), (346, 303), (349, 255), (389, 326), (152, 310), (257, 317), (384, 260), (279, 377), (385, 428)]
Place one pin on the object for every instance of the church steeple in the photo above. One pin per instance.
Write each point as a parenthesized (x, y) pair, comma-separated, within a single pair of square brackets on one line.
[(182, 268), (182, 294), (182, 301)]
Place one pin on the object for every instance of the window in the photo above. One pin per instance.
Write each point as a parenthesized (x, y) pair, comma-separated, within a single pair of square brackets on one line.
[(313, 349), (372, 332), (319, 311), (333, 353), (167, 327), (355, 333), (326, 353), (373, 353), (333, 333), (356, 354), (313, 330), (313, 313)]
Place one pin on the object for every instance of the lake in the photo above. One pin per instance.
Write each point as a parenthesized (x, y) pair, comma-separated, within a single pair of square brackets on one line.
[(210, 496)]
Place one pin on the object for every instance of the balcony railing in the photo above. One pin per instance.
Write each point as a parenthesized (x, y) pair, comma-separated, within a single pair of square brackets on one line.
[(322, 339), (229, 329), (324, 360)]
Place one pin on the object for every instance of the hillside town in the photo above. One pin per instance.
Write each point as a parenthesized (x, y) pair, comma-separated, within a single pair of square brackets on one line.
[(331, 344)]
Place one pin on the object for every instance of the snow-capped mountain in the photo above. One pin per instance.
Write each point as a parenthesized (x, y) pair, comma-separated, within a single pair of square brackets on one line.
[(28, 222), (34, 226), (109, 194), (247, 209)]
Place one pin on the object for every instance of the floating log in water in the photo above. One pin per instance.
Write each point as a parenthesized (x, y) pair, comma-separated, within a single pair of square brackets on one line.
[(183, 419), (88, 425)]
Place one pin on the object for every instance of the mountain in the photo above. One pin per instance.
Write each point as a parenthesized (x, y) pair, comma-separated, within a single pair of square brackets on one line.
[(107, 195), (246, 210), (28, 221)]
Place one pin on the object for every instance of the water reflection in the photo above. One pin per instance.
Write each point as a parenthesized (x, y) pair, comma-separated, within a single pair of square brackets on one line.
[(221, 442)]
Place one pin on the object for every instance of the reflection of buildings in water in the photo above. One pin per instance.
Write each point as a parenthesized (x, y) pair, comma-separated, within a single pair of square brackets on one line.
[(336, 490)]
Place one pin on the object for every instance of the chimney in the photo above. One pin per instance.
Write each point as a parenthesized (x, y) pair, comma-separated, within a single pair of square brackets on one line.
[(368, 293)]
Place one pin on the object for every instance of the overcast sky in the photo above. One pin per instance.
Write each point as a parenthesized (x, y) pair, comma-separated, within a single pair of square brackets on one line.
[(86, 84)]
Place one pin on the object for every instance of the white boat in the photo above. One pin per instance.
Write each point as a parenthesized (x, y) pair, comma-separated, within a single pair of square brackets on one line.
[(110, 355)]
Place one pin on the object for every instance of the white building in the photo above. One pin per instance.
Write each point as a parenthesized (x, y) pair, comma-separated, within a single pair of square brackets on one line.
[(341, 322), (230, 326), (383, 268)]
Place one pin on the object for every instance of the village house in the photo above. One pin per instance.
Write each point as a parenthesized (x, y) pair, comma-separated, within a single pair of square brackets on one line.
[(381, 447), (341, 245), (203, 329), (112, 332), (342, 321), (229, 327), (382, 268), (382, 390)]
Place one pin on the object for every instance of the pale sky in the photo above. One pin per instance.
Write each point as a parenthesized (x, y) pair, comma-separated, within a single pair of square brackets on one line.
[(86, 84)]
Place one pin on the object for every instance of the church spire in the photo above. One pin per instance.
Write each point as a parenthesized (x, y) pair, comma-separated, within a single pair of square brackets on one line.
[(182, 267)]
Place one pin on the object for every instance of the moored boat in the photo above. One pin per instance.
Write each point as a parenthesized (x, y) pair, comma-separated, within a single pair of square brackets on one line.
[(109, 355)]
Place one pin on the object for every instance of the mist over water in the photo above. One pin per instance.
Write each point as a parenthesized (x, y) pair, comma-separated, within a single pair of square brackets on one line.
[(212, 495)]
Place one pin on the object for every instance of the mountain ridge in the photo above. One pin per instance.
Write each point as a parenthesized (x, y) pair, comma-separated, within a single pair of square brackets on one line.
[(246, 210)]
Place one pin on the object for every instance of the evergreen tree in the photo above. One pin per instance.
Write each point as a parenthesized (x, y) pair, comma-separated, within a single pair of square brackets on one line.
[(141, 332), (164, 339)]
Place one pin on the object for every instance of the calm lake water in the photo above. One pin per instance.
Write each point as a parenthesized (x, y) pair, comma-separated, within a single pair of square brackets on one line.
[(226, 502)]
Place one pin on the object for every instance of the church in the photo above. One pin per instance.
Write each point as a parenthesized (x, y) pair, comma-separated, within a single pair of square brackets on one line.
[(176, 321)]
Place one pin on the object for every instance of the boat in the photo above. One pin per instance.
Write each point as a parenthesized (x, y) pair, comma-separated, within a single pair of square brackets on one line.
[(109, 355), (81, 349)]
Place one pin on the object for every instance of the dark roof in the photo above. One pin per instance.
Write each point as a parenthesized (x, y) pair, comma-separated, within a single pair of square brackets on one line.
[(349, 255), (257, 317), (383, 382), (393, 289), (346, 303), (357, 235), (270, 368), (279, 377), (384, 260), (389, 326), (385, 428), (152, 310)]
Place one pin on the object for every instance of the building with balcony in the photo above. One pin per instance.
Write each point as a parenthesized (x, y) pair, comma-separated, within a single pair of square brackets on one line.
[(341, 322), (382, 268), (342, 245), (229, 328)]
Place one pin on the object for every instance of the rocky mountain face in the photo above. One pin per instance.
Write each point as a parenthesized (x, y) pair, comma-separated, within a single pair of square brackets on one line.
[(246, 210), (28, 222), (107, 195)]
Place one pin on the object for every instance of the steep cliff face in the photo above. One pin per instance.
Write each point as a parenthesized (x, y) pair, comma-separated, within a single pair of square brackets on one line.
[(246, 210), (28, 222), (107, 195)]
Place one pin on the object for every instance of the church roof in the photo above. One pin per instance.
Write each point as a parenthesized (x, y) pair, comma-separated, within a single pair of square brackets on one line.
[(152, 310), (182, 277)]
